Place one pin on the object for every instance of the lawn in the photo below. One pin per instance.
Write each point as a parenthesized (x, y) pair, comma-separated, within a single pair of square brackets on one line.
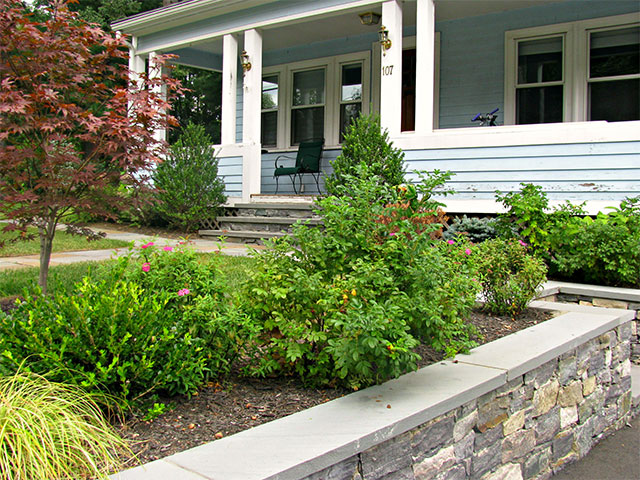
[(63, 242), (63, 277)]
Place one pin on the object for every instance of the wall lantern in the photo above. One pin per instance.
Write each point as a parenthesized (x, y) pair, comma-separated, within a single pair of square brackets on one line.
[(385, 42), (369, 18), (244, 60)]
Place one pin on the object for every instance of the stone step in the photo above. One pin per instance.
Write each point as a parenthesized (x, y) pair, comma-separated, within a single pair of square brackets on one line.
[(263, 224), (240, 236), (295, 210)]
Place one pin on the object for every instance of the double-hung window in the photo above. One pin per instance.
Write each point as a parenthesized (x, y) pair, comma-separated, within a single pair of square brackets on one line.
[(308, 105), (270, 101), (579, 71)]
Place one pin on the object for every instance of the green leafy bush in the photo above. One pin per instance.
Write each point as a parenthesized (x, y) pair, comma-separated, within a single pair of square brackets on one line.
[(366, 143), (530, 219), (52, 430), (188, 182), (475, 229), (154, 323), (509, 276), (346, 304), (604, 249), (601, 250)]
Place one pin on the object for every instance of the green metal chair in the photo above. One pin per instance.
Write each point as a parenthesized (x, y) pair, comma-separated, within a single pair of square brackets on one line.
[(307, 161)]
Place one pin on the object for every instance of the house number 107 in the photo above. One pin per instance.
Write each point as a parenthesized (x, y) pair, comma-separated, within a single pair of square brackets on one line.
[(387, 70)]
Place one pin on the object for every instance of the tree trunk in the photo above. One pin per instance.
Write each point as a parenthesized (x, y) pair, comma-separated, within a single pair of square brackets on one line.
[(46, 244)]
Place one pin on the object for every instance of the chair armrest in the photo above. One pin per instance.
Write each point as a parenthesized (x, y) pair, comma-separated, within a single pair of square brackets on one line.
[(275, 163)]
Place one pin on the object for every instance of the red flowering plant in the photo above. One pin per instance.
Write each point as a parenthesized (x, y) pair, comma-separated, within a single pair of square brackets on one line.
[(72, 126)]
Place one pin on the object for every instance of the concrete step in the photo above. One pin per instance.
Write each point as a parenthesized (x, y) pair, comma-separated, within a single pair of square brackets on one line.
[(240, 236)]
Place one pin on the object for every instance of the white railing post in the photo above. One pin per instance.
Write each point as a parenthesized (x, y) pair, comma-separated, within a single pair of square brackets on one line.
[(391, 69), (251, 115), (425, 65)]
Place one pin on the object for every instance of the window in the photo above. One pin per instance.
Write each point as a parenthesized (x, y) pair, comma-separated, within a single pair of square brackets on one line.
[(614, 74), (579, 71), (269, 135), (350, 95), (313, 99), (540, 86), (308, 105)]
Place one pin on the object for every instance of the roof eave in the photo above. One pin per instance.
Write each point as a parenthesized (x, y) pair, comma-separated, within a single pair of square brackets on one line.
[(151, 20)]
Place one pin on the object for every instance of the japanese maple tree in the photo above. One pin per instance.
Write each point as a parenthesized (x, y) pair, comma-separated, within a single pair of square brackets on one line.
[(72, 126)]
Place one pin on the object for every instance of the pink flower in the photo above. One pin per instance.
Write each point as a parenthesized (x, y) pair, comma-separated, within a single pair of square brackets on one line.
[(146, 266), (183, 292), (392, 234), (167, 248), (522, 243), (450, 242), (468, 251), (147, 245)]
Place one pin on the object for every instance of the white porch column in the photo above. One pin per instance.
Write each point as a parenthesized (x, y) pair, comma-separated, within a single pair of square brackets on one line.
[(251, 115), (136, 63), (155, 72), (425, 65), (391, 69), (229, 89)]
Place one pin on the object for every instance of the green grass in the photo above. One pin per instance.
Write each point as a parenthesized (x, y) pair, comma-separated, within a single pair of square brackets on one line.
[(63, 277), (62, 242)]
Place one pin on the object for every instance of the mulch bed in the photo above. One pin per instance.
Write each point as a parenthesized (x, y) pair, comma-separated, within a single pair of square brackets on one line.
[(219, 410)]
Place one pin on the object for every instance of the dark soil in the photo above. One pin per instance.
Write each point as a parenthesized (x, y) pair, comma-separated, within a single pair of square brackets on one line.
[(238, 404)]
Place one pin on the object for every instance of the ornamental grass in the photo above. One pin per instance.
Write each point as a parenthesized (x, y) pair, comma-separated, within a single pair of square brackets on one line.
[(53, 431)]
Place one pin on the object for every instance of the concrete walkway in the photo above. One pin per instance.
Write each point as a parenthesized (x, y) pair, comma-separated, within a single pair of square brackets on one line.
[(199, 244)]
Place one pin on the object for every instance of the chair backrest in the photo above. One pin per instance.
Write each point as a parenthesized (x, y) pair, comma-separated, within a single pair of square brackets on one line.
[(309, 155)]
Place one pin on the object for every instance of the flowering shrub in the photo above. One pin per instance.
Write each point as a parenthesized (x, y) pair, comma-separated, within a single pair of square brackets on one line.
[(346, 303), (509, 275), (159, 321)]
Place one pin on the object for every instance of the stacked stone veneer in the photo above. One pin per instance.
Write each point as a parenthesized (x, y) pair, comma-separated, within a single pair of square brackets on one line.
[(526, 429)]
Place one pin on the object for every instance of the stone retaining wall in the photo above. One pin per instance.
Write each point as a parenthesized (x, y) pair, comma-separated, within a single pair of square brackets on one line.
[(527, 429)]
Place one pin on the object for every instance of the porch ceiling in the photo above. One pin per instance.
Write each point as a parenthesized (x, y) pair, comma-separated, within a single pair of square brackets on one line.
[(348, 23)]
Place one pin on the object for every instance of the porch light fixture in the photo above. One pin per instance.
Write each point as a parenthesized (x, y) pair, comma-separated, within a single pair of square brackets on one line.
[(385, 42), (244, 60), (369, 18)]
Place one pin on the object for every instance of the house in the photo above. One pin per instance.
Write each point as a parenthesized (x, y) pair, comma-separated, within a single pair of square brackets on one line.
[(564, 74)]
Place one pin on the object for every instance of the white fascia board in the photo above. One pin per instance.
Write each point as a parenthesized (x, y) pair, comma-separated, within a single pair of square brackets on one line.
[(163, 19), (178, 14)]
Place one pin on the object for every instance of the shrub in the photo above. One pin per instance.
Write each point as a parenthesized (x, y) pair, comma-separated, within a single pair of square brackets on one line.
[(188, 183), (52, 430), (529, 218), (475, 229), (345, 304), (366, 143), (510, 277), (130, 334), (603, 250)]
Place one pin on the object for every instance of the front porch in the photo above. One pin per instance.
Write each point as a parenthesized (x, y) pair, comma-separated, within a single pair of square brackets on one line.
[(294, 70)]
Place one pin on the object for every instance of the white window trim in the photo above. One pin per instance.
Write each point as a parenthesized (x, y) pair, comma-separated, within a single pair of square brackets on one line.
[(332, 93), (575, 61)]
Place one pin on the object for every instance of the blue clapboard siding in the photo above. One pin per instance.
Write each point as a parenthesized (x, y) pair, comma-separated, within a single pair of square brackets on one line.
[(230, 170), (578, 172), (472, 53), (269, 182)]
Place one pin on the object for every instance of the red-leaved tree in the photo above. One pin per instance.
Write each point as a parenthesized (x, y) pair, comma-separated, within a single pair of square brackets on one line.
[(72, 126)]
